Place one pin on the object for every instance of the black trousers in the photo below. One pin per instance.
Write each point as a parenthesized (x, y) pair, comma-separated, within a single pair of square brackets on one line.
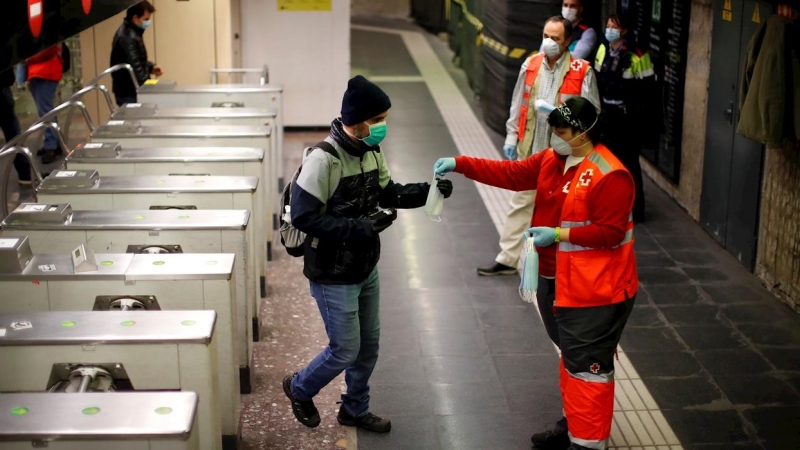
[(621, 135), (10, 125)]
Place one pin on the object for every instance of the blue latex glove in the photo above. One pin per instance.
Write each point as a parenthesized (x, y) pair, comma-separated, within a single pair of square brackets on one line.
[(444, 165), (542, 236), (510, 151)]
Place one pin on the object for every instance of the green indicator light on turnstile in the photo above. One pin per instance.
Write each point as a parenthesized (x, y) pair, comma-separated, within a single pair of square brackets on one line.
[(176, 153), (68, 324), (128, 323), (183, 217), (106, 263), (212, 153), (211, 263), (164, 410), (19, 411), (188, 323), (158, 263), (138, 217), (159, 181), (199, 181), (91, 411)]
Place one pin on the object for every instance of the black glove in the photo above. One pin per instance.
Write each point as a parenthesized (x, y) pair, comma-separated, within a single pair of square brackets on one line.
[(382, 223), (445, 187)]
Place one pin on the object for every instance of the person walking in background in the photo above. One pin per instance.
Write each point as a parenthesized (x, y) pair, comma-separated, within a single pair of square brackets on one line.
[(596, 280), (10, 124), (128, 48), (336, 201), (584, 38), (45, 70), (621, 72), (553, 76)]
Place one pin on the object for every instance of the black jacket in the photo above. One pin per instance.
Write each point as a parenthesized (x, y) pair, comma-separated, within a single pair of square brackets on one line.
[(331, 203), (128, 48)]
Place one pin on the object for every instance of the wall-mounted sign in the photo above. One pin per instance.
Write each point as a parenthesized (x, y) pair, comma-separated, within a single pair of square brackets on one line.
[(304, 5), (35, 16)]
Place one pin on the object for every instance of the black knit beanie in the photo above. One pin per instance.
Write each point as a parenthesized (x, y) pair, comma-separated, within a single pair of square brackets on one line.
[(362, 101)]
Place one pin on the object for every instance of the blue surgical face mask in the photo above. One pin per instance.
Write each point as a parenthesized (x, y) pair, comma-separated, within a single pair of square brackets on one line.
[(377, 132), (146, 24), (613, 34)]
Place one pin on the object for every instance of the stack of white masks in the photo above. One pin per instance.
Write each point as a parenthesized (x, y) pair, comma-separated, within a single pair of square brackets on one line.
[(530, 271), (435, 203)]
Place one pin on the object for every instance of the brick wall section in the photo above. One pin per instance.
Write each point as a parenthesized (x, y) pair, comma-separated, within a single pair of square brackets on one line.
[(698, 68), (778, 262)]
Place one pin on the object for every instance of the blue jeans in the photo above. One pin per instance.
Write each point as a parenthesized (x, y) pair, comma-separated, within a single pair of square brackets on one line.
[(352, 320), (123, 100), (44, 95)]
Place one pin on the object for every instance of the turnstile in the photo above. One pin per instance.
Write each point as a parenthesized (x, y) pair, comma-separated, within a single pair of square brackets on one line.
[(57, 228), (132, 134), (87, 190), (144, 281), (167, 94), (111, 159), (100, 421), (77, 353)]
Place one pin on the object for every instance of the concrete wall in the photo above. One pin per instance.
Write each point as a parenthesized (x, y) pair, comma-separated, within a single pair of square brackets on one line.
[(778, 261), (698, 68), (382, 8)]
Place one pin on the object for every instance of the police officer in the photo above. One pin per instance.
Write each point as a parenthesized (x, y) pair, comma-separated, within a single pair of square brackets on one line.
[(621, 74)]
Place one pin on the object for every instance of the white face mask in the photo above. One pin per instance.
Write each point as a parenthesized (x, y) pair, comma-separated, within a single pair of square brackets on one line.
[(551, 48), (560, 146), (570, 14)]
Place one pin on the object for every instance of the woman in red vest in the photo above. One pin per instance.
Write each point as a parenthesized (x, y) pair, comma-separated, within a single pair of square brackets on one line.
[(583, 230)]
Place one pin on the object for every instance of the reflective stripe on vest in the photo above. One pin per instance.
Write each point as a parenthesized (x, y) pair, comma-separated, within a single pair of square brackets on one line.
[(587, 277), (570, 86)]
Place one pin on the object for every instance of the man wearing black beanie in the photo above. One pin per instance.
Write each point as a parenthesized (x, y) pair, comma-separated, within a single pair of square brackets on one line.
[(338, 201)]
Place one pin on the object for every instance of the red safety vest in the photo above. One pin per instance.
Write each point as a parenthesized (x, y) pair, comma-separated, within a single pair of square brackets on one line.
[(570, 87), (588, 277)]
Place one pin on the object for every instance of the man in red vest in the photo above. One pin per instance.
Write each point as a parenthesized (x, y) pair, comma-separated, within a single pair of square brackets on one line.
[(553, 76), (45, 70)]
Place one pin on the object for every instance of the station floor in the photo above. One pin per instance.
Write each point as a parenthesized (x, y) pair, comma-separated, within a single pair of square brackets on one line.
[(709, 359)]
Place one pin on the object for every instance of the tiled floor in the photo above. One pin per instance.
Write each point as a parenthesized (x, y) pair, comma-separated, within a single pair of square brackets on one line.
[(465, 364)]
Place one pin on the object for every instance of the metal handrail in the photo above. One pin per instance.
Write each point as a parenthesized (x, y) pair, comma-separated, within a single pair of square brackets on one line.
[(263, 79), (113, 69), (77, 96), (36, 176), (69, 104), (20, 138)]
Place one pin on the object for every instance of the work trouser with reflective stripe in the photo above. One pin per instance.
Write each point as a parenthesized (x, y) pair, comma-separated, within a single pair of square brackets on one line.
[(588, 338)]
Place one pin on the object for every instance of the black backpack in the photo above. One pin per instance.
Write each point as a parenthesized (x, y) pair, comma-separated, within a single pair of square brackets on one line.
[(292, 238), (66, 58)]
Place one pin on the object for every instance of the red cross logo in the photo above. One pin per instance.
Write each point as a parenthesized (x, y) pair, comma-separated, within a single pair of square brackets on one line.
[(595, 368), (576, 65), (586, 177)]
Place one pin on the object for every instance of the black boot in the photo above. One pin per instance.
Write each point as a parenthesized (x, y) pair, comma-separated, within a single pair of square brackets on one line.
[(550, 440), (497, 269), (304, 411), (369, 422)]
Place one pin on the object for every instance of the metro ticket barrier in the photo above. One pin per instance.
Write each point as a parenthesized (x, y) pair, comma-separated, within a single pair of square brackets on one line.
[(87, 190), (131, 134), (66, 358), (179, 281), (111, 159), (162, 420), (57, 228), (168, 94)]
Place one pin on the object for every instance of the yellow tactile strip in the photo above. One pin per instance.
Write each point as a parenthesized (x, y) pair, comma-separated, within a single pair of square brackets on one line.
[(638, 422)]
